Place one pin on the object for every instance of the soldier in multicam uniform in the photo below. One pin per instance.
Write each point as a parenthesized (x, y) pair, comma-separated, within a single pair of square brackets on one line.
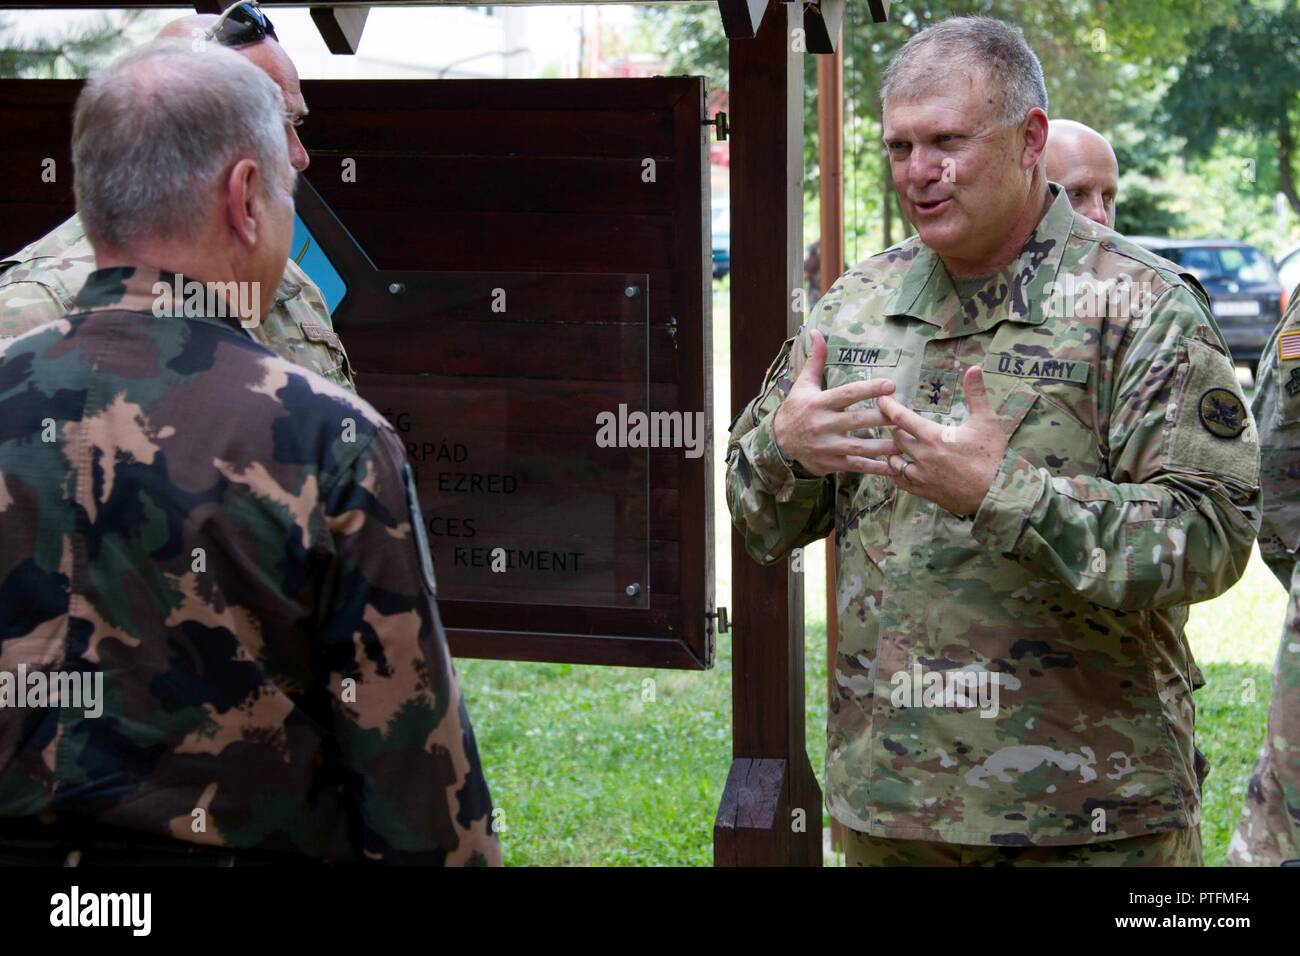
[(39, 282), (231, 541), (1018, 549), (1269, 831)]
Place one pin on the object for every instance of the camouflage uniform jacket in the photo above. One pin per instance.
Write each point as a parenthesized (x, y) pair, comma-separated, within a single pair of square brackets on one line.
[(235, 545), (39, 282), (1269, 831), (1124, 495)]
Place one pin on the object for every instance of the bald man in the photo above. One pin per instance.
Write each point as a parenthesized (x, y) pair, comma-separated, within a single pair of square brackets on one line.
[(39, 282), (1082, 161)]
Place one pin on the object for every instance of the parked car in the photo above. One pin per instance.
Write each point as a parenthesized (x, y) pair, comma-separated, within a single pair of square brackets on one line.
[(721, 239), (1245, 293), (1288, 271)]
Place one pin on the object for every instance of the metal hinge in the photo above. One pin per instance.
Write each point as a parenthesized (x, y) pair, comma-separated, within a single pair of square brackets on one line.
[(719, 123), (724, 625)]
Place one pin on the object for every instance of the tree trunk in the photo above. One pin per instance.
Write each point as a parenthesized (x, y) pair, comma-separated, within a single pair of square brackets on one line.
[(887, 195), (1285, 153)]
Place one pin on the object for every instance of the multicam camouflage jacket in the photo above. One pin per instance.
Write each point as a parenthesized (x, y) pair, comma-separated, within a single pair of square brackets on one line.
[(234, 544), (1269, 831), (39, 282), (1020, 677)]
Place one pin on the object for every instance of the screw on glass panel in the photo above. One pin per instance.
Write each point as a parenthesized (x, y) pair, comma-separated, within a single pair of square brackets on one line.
[(396, 288), (633, 589), (631, 291)]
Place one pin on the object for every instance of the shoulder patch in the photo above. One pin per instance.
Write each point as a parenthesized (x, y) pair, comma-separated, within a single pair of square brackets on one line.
[(1288, 345), (1222, 413)]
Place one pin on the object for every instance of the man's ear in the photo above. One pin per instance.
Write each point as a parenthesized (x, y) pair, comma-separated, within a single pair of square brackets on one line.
[(243, 186), (1036, 130)]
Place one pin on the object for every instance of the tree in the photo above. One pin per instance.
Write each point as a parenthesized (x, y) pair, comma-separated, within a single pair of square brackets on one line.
[(1105, 64), (69, 56), (1244, 77)]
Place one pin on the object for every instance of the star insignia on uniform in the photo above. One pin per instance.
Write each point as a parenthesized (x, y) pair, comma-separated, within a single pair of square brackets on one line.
[(936, 391), (1222, 413)]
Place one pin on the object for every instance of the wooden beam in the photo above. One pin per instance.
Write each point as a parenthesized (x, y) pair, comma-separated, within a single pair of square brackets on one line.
[(822, 20), (770, 778), (340, 27), (740, 18), (830, 152), (879, 10)]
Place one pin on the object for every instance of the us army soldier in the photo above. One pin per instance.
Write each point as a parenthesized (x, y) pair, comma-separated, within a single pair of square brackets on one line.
[(228, 543), (39, 282), (1269, 830), (1030, 478), (1084, 163)]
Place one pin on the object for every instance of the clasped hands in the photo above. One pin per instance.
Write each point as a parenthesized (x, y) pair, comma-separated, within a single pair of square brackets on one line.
[(951, 467)]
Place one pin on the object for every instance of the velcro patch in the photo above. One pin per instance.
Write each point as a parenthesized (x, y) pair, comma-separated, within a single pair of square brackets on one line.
[(319, 333), (1024, 366), (1288, 345)]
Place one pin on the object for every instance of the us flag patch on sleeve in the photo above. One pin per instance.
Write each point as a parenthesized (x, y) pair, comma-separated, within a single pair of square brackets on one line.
[(1288, 345)]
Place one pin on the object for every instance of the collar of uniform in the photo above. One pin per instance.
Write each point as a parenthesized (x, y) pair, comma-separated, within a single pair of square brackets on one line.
[(132, 289), (927, 292)]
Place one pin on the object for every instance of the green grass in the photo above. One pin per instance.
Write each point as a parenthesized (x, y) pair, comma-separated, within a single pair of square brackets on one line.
[(594, 766)]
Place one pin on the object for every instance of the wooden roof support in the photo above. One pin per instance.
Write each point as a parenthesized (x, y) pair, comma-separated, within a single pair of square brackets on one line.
[(771, 808), (740, 18), (340, 27)]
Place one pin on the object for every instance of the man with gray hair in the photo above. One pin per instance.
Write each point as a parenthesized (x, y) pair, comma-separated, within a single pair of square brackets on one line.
[(1030, 479), (229, 542), (38, 282)]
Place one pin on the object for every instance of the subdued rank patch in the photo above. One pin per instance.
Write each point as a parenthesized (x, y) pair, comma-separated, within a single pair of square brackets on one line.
[(1293, 383), (1222, 413), (417, 529), (862, 355), (1288, 345), (1026, 366), (935, 389)]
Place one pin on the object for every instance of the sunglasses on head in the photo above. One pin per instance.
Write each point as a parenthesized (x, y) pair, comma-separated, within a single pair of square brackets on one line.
[(240, 25)]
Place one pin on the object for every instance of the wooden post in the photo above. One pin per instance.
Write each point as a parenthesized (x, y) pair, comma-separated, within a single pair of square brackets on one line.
[(770, 812), (830, 150)]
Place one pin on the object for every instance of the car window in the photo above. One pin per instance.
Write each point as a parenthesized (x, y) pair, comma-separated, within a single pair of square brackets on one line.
[(1240, 264), (1245, 265)]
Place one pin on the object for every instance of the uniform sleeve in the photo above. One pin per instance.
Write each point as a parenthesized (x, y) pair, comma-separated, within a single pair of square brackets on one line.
[(413, 779), (24, 305), (775, 510), (1174, 521), (1277, 413)]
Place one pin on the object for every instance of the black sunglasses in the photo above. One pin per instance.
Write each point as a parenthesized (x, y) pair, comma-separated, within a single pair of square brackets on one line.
[(241, 25)]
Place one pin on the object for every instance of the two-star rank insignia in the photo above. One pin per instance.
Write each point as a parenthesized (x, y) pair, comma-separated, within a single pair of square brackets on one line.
[(1222, 413)]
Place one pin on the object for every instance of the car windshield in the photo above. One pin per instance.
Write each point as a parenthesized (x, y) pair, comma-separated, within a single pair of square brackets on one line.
[(1238, 263)]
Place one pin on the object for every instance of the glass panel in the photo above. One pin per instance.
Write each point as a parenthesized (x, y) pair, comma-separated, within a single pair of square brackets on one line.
[(522, 400)]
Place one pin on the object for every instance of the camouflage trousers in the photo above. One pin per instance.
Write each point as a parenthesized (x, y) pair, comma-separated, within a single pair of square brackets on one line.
[(1173, 848), (1269, 831)]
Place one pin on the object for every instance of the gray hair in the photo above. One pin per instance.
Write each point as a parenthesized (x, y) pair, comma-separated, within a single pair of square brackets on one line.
[(153, 134), (994, 49)]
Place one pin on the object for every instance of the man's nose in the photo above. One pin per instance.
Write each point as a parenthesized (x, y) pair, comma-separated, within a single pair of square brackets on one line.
[(923, 166), (1096, 210), (298, 157)]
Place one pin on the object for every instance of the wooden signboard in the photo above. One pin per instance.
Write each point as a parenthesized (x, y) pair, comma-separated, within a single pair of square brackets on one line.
[(520, 277)]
